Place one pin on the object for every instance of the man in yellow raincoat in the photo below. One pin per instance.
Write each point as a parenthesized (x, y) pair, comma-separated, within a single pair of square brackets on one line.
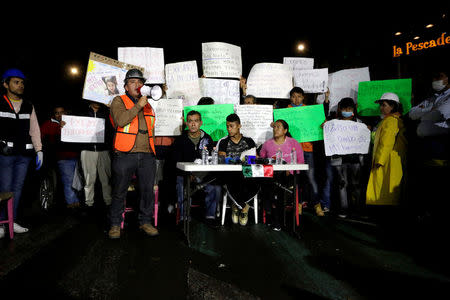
[(389, 153)]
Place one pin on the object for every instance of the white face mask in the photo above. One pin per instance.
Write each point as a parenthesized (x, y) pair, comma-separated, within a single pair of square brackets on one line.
[(438, 85)]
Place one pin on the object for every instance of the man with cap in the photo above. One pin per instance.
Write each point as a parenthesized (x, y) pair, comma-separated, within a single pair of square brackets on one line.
[(20, 139), (134, 153), (388, 155)]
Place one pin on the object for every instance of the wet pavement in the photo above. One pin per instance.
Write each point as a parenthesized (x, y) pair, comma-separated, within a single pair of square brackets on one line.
[(69, 256)]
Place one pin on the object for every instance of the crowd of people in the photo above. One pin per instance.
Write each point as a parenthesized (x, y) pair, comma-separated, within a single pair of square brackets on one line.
[(339, 185)]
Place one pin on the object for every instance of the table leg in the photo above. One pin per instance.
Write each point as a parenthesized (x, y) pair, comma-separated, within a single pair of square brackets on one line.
[(187, 207)]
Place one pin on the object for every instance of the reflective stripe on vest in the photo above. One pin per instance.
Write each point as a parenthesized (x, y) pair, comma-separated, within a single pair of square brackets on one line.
[(126, 136)]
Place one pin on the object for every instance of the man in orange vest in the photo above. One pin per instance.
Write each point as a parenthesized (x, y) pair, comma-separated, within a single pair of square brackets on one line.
[(134, 153)]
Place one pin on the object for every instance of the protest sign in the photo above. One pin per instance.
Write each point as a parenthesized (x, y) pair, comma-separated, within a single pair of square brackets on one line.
[(168, 116), (255, 121), (345, 137), (299, 63), (370, 91), (304, 121), (104, 78), (151, 59), (221, 90), (214, 118), (270, 80), (182, 82), (312, 81), (221, 60), (83, 129), (344, 83)]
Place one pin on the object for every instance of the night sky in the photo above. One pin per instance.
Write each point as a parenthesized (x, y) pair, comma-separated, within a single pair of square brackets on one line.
[(340, 38)]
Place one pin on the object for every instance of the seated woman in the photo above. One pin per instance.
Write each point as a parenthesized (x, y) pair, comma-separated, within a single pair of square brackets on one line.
[(272, 194)]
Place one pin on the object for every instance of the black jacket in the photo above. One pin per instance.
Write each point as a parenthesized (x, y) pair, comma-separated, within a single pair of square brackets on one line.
[(185, 151)]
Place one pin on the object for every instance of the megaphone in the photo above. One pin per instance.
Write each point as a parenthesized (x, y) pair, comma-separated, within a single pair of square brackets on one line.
[(154, 92)]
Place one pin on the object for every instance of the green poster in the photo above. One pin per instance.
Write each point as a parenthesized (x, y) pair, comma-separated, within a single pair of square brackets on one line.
[(304, 122), (370, 91), (214, 118)]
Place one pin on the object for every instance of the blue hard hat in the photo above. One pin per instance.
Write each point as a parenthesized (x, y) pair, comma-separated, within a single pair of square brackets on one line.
[(13, 73)]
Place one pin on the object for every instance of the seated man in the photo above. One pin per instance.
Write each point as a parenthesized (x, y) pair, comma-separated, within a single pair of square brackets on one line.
[(187, 148), (241, 189)]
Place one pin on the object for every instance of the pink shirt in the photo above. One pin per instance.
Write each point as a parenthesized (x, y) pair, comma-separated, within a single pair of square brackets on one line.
[(269, 150)]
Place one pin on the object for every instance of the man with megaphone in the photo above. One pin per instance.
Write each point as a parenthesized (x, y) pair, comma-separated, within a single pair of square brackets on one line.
[(134, 153)]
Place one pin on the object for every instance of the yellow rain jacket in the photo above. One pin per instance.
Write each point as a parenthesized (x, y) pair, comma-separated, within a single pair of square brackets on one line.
[(389, 151)]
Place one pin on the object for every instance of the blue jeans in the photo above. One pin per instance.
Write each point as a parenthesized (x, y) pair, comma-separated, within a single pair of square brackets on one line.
[(309, 159), (124, 166), (67, 171), (210, 198), (326, 190), (13, 172)]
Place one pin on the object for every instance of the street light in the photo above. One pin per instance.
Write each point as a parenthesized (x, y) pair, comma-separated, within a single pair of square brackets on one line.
[(74, 71), (301, 47)]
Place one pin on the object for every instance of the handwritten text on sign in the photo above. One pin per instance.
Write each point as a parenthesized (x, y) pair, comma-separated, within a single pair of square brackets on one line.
[(345, 137), (299, 63), (104, 78), (312, 81), (270, 80), (255, 121), (304, 121), (221, 90), (221, 60), (83, 129), (182, 82), (151, 59), (169, 116)]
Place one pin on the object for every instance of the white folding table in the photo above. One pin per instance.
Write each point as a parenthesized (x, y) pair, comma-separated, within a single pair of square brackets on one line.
[(190, 167)]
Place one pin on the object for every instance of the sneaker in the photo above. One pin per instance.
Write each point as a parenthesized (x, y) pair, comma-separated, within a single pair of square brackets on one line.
[(342, 216), (149, 229), (234, 214), (19, 229), (243, 218), (318, 209), (276, 228), (2, 232), (326, 209), (114, 232)]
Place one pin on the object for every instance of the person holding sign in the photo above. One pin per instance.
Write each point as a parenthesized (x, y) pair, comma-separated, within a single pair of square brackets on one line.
[(187, 148), (240, 189), (388, 157), (272, 195), (63, 155), (297, 96), (348, 167), (134, 153)]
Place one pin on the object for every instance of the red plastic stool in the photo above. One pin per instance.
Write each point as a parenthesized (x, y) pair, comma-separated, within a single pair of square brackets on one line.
[(8, 196)]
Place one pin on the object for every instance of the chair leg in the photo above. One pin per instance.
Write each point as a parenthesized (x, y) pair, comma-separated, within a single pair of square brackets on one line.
[(11, 217), (155, 216), (297, 217), (255, 208), (224, 207)]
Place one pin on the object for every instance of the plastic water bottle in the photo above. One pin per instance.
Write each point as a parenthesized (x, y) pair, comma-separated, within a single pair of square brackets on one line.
[(293, 156), (279, 157), (204, 156), (215, 156)]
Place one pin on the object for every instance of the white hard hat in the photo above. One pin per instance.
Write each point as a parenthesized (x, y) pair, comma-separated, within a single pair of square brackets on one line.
[(389, 96)]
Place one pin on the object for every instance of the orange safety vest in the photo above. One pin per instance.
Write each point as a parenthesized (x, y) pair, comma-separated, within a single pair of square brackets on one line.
[(125, 137)]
